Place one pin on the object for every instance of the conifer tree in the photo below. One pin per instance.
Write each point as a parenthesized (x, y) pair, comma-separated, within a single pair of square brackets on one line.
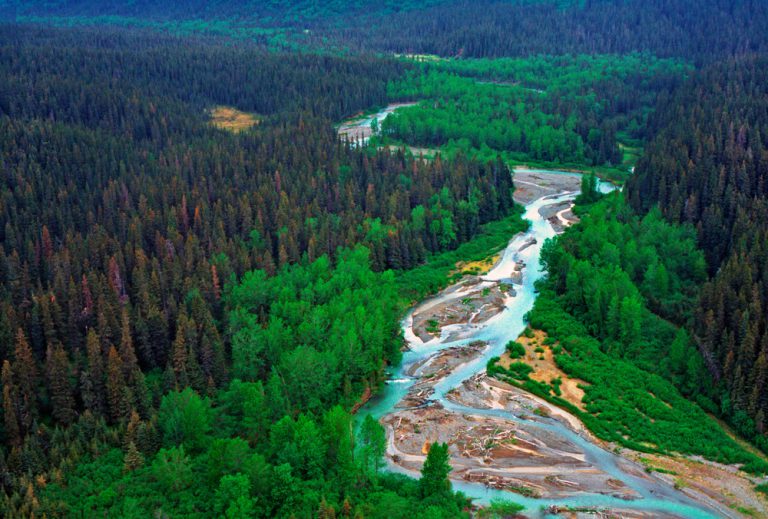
[(133, 458), (59, 387), (26, 375), (115, 385), (10, 402), (434, 474)]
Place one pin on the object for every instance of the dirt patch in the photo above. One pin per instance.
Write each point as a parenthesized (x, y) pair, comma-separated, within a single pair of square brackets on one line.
[(545, 369), (232, 119), (721, 483)]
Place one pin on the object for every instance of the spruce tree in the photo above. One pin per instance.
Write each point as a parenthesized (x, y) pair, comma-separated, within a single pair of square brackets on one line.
[(434, 474)]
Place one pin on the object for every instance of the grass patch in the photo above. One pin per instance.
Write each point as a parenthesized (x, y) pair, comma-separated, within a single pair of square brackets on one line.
[(499, 509), (433, 327)]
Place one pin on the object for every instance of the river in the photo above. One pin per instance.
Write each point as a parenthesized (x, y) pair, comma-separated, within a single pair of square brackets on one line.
[(656, 497), (358, 130)]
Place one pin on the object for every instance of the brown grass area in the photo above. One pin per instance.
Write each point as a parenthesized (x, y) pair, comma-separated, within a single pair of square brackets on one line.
[(481, 267), (231, 119), (546, 369)]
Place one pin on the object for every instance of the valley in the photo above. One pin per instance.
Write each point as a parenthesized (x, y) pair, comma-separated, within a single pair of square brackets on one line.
[(373, 260), (502, 438)]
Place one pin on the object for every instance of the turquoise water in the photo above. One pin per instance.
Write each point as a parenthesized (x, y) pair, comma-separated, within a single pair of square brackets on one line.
[(656, 496)]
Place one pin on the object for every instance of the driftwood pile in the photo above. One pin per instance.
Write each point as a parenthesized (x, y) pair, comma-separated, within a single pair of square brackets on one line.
[(558, 481), (479, 442)]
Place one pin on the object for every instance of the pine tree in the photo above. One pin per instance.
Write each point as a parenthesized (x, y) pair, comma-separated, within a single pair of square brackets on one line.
[(326, 511), (115, 386), (59, 387), (127, 351), (346, 508), (10, 403), (179, 355), (434, 474), (25, 373), (131, 429), (95, 372), (133, 458)]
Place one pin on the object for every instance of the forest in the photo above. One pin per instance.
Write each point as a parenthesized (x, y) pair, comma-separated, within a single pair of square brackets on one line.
[(128, 220), (708, 168), (563, 111), (698, 30), (191, 319)]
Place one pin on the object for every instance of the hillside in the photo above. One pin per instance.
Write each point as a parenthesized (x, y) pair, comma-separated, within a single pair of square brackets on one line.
[(692, 29), (365, 259)]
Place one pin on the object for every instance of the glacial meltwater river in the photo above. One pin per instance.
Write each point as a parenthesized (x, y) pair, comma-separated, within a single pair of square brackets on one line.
[(656, 496)]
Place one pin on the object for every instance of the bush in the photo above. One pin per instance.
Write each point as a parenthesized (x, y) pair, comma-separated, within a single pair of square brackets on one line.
[(515, 349), (519, 370)]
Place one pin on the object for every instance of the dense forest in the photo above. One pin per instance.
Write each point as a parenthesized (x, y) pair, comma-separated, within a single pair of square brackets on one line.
[(694, 29), (572, 110), (709, 167), (701, 30), (190, 317), (261, 11), (127, 217)]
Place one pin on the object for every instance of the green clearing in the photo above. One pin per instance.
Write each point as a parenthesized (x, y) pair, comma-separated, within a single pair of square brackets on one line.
[(582, 113)]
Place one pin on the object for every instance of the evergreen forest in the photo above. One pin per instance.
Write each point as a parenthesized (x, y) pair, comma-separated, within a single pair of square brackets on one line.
[(195, 321)]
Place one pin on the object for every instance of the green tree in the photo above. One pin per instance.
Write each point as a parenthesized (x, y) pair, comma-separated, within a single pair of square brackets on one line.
[(373, 445), (337, 433), (233, 499), (434, 474), (172, 468), (185, 419)]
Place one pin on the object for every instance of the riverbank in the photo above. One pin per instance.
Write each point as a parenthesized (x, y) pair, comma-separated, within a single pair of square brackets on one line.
[(696, 477), (504, 442), (358, 128)]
